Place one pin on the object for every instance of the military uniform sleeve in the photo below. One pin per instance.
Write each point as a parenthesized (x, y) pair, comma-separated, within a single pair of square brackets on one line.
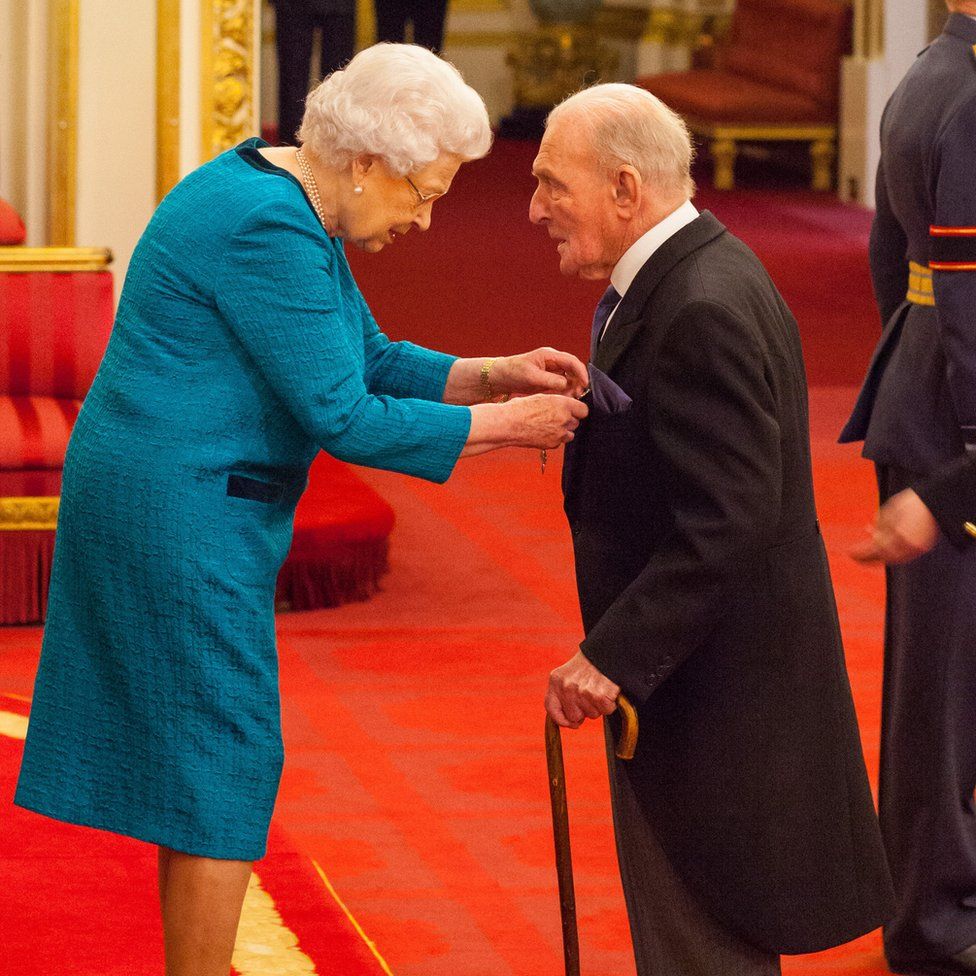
[(712, 420), (953, 261), (276, 289), (887, 249), (950, 494)]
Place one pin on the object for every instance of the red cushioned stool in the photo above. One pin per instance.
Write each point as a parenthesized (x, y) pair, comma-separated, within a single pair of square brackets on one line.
[(341, 542)]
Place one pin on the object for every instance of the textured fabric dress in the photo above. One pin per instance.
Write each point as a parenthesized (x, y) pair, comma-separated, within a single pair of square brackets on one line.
[(242, 346)]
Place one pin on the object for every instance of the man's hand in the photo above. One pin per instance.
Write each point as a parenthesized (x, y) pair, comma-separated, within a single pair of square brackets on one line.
[(577, 691), (540, 371), (903, 529)]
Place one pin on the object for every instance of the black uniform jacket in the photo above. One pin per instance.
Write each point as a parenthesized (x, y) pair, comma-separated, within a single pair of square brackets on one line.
[(950, 494), (705, 595), (917, 408)]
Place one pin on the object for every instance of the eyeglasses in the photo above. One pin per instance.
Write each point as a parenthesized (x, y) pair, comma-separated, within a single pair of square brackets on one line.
[(421, 197)]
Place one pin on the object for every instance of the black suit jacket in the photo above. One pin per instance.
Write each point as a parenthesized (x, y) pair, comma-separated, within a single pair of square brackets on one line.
[(706, 596)]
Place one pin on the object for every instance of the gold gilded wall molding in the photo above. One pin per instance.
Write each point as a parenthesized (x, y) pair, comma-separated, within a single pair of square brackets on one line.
[(227, 59), (63, 113), (682, 28), (26, 514), (479, 6), (23, 259), (167, 96), (868, 28)]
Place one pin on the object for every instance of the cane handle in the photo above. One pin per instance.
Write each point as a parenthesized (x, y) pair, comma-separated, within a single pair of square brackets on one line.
[(627, 743)]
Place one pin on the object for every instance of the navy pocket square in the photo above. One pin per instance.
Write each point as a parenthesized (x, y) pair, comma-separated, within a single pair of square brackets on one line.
[(605, 396)]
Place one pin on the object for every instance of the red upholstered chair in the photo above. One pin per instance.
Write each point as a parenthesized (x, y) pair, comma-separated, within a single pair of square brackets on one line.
[(12, 230), (776, 77), (56, 311)]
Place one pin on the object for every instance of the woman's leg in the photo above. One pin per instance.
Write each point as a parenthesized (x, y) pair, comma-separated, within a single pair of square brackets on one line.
[(201, 901)]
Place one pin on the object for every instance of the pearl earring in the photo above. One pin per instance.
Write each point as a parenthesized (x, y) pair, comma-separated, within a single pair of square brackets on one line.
[(357, 189)]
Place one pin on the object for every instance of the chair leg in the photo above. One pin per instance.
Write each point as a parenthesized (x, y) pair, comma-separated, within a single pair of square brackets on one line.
[(723, 160), (822, 154)]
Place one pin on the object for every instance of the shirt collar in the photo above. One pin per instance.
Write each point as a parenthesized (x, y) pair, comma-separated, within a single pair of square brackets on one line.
[(637, 255)]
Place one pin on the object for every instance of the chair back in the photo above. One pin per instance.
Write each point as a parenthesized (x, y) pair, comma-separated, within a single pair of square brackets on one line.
[(54, 327), (796, 45)]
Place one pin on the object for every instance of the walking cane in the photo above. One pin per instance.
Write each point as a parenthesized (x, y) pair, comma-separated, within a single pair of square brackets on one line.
[(626, 745)]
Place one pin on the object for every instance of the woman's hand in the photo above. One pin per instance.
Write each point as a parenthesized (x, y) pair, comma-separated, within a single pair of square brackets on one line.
[(542, 421), (903, 529), (540, 371)]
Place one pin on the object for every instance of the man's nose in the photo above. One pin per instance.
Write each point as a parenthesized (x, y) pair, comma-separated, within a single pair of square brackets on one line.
[(537, 212), (422, 220)]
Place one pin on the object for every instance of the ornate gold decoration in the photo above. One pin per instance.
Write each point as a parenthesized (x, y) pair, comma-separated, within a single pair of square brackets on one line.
[(63, 114), (167, 96), (227, 60), (21, 514), (54, 258), (556, 60)]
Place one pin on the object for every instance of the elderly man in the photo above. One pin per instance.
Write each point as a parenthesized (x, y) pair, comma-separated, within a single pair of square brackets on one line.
[(745, 826), (917, 417)]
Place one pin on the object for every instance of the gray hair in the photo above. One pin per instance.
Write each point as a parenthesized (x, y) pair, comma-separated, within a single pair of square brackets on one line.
[(628, 125), (399, 102)]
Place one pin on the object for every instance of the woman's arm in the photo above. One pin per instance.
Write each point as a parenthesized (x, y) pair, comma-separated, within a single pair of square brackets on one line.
[(287, 317), (540, 371)]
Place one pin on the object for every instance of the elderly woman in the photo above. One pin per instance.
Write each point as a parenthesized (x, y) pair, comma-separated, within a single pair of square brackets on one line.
[(242, 346)]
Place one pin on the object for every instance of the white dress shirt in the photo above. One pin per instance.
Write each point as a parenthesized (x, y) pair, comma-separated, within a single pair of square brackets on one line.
[(637, 255)]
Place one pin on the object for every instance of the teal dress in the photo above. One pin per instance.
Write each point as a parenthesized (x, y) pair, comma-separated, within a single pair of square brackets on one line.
[(242, 346)]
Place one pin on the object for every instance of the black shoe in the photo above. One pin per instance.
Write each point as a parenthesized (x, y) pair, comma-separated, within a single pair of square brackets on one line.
[(963, 963)]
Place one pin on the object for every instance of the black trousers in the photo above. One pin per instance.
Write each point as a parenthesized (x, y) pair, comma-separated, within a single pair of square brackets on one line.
[(427, 17), (672, 934), (295, 28), (928, 747)]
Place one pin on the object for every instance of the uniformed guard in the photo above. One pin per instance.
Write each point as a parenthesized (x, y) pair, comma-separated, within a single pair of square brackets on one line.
[(917, 417)]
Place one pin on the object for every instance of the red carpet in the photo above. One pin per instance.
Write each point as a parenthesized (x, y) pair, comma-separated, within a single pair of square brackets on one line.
[(78, 902), (415, 773)]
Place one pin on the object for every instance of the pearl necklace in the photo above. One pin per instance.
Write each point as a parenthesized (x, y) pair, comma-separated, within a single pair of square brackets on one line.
[(311, 187)]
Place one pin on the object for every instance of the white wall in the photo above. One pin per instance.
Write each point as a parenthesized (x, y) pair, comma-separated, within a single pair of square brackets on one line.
[(116, 125), (866, 86), (24, 112)]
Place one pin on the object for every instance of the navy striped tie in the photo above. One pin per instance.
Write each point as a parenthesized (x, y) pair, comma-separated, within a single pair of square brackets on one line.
[(603, 309)]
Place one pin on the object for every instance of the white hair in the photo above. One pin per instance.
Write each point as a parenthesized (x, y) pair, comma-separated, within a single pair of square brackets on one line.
[(628, 125), (399, 102)]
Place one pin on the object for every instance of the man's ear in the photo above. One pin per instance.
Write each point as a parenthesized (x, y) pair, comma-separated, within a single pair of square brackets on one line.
[(627, 191)]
